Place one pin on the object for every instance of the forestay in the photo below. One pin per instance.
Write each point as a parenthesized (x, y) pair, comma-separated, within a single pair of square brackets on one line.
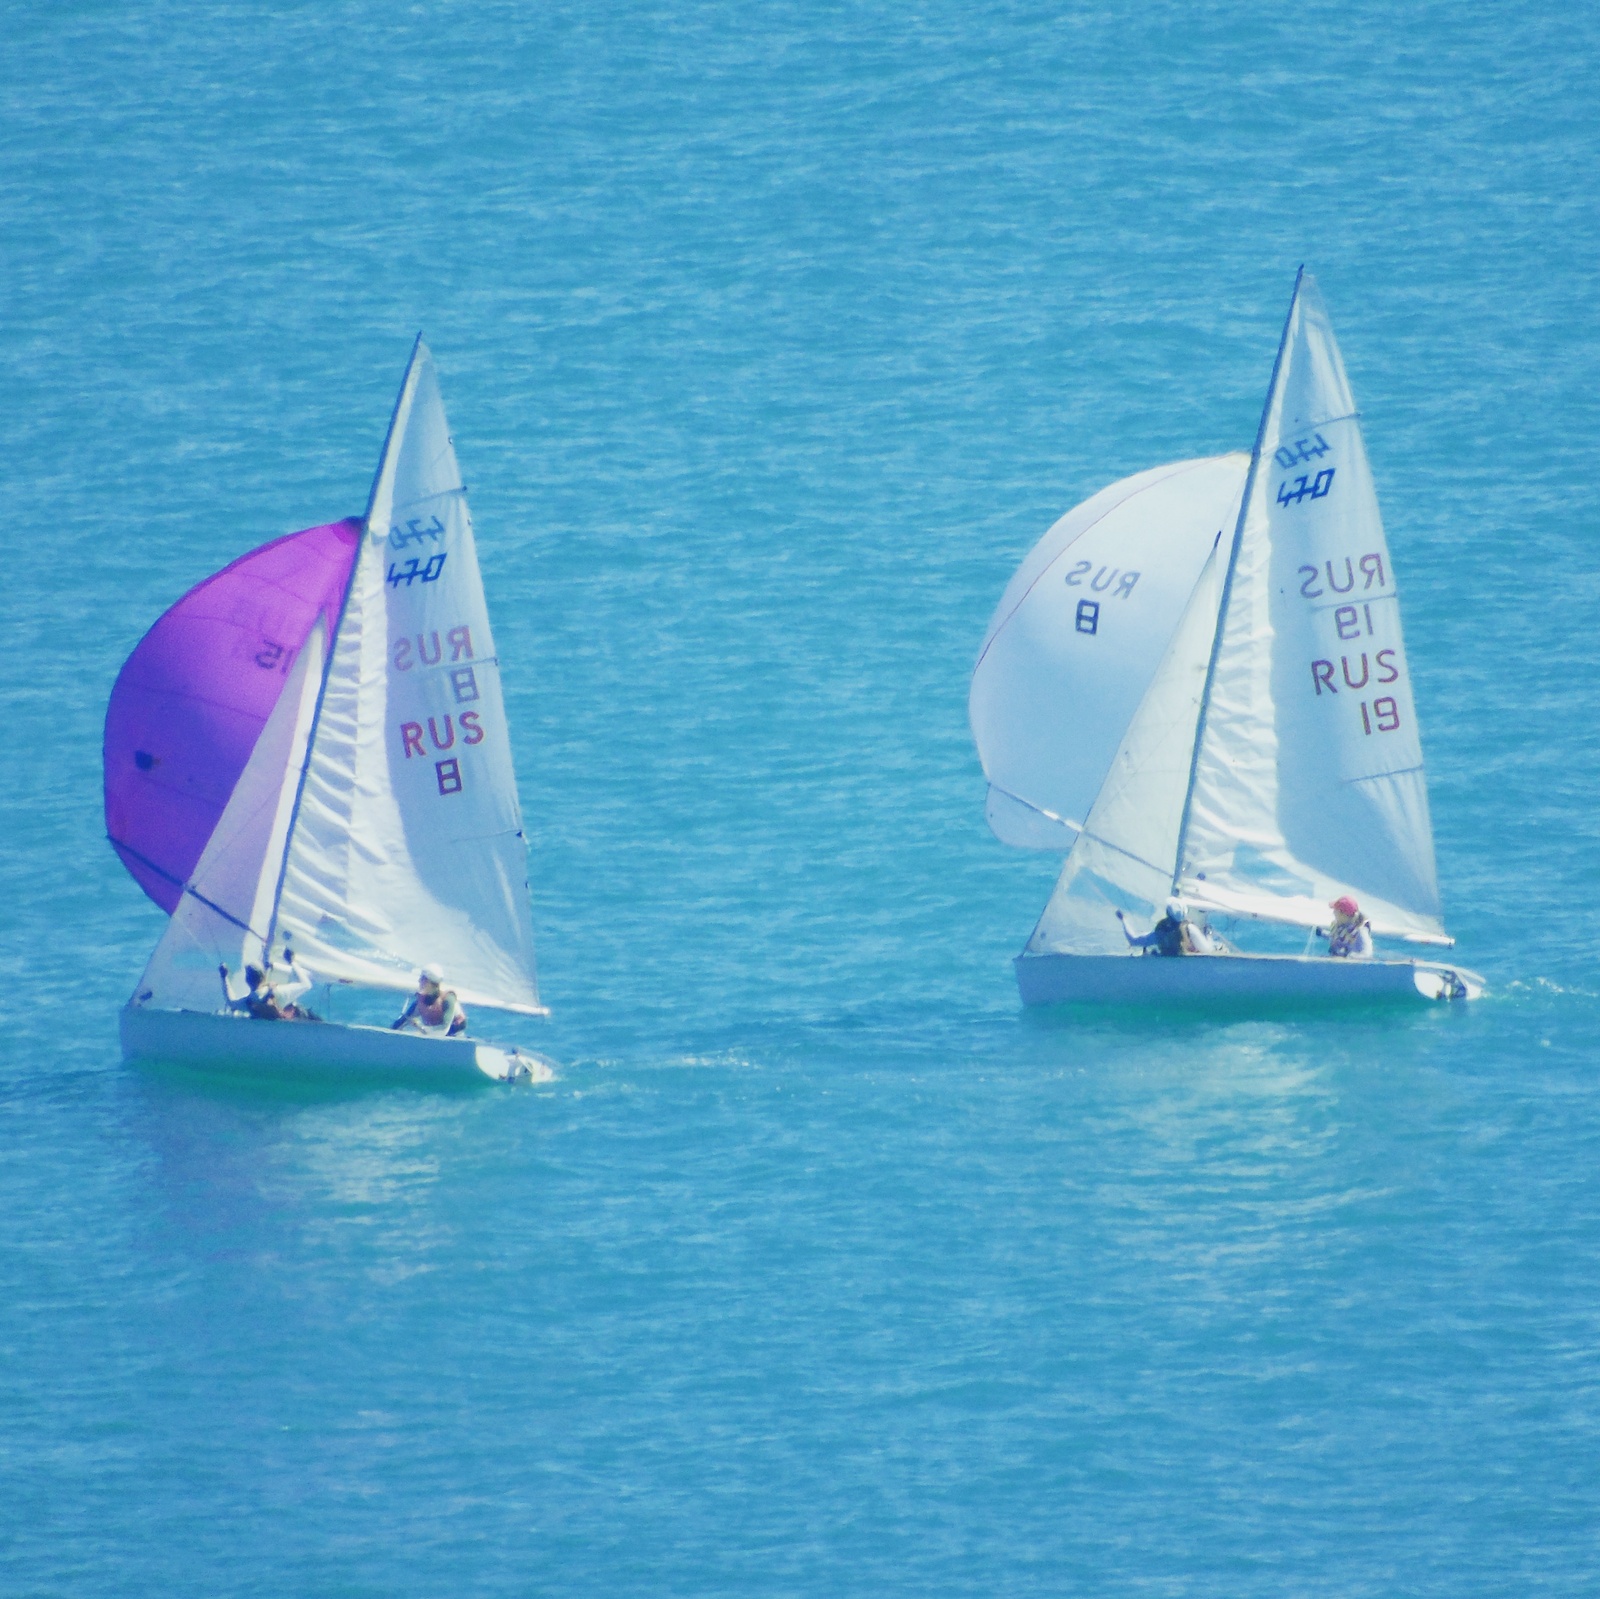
[(1125, 855), (224, 912), (407, 844), (1078, 636), (1308, 778)]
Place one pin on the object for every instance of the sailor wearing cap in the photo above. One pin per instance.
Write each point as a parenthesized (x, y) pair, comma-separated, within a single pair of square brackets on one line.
[(433, 1008), (1351, 933)]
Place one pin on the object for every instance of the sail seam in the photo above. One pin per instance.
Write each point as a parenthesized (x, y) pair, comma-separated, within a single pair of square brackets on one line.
[(1374, 777), (1327, 421)]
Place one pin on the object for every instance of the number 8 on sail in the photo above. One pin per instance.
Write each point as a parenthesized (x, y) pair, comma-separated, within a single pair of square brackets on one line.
[(308, 766)]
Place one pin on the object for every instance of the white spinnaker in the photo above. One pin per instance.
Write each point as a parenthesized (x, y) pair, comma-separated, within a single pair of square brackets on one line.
[(407, 845), (225, 913), (1308, 778), (1124, 856), (1077, 638)]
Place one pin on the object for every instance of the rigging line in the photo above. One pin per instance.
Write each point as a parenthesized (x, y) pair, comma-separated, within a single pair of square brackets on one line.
[(144, 860), (1105, 843), (227, 916), (1038, 810), (1227, 582)]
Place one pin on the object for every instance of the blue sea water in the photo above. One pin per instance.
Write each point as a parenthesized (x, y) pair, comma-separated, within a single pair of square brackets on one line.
[(772, 337)]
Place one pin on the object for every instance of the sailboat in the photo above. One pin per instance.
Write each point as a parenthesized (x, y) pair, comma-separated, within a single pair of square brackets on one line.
[(307, 764), (1196, 686)]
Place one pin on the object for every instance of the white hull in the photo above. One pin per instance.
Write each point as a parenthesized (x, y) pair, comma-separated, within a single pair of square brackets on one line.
[(1225, 979), (327, 1051)]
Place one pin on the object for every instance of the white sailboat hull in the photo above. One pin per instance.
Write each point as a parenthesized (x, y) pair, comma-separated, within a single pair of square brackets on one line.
[(327, 1051), (1225, 979)]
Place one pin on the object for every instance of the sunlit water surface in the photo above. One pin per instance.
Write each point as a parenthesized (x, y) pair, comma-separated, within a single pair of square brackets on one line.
[(771, 339)]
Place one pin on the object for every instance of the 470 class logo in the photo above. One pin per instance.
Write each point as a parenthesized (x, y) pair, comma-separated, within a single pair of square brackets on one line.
[(1303, 452), (415, 533)]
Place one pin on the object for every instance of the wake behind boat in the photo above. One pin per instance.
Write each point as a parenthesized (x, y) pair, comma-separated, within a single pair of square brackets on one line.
[(307, 764), (1196, 684)]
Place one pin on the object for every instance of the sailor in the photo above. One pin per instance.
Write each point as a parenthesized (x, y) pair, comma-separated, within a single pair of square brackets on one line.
[(1174, 934), (289, 983), (1350, 937), (433, 1008), (260, 1001)]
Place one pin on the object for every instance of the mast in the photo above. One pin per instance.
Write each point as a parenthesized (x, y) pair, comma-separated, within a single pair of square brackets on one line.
[(1227, 582), (333, 639)]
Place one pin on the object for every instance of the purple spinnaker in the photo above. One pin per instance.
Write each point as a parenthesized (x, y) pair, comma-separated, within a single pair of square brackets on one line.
[(191, 700)]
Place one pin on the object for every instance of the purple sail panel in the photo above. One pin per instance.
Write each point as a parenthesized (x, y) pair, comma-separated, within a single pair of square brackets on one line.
[(190, 701)]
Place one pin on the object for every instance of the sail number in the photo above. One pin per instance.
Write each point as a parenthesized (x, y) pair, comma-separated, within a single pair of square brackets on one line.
[(415, 571), (1383, 715), (1371, 570), (1108, 577), (1300, 451), (1306, 487), (1109, 580), (1384, 711), (414, 533)]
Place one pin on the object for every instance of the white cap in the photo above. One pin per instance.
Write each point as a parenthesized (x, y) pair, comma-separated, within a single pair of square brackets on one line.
[(431, 974), (1177, 910)]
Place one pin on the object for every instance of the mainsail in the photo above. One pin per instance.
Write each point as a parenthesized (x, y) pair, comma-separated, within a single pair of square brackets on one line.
[(1078, 636), (407, 845), (1307, 780), (191, 700)]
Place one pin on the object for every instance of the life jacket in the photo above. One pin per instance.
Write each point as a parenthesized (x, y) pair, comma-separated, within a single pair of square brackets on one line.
[(262, 1005), (430, 1011), (1345, 938)]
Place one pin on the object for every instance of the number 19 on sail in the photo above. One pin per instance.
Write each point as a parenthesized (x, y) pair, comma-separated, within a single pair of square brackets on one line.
[(1384, 717)]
